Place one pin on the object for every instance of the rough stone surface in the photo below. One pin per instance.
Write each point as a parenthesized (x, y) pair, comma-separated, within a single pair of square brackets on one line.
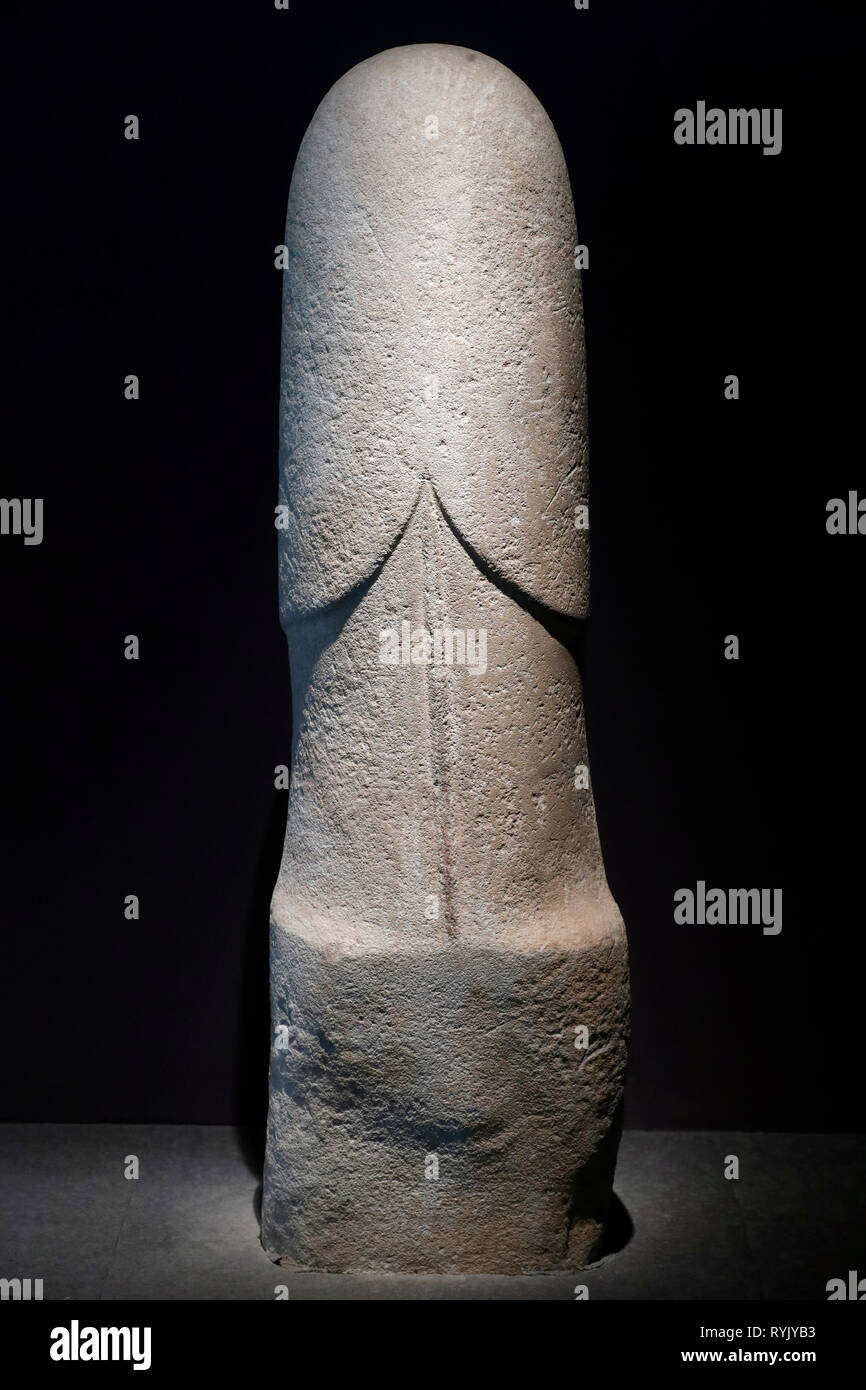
[(442, 923)]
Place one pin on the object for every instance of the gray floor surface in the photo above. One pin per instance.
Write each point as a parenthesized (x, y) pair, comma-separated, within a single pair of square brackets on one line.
[(188, 1226)]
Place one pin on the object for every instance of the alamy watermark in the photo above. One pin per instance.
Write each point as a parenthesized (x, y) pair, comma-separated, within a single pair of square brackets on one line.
[(438, 646), (77, 1343), (729, 907), (854, 1288), (735, 126), (20, 1290), (22, 516), (846, 517)]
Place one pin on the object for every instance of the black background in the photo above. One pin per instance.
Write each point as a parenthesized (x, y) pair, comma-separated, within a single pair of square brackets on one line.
[(708, 517)]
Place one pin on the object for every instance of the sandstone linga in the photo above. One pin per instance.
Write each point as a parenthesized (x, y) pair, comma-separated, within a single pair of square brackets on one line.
[(448, 967)]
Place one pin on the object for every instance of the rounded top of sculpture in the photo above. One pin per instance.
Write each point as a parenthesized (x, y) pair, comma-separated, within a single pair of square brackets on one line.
[(434, 68), (432, 329), (456, 92)]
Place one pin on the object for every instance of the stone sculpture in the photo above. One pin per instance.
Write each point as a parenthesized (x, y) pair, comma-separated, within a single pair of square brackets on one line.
[(448, 967)]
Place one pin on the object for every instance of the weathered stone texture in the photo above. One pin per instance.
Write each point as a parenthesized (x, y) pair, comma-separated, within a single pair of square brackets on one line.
[(442, 922)]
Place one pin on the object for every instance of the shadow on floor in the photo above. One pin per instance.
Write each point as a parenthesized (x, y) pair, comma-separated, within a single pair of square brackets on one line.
[(618, 1231)]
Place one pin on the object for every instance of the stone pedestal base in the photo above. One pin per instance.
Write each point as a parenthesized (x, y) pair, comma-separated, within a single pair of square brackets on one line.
[(431, 1113)]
